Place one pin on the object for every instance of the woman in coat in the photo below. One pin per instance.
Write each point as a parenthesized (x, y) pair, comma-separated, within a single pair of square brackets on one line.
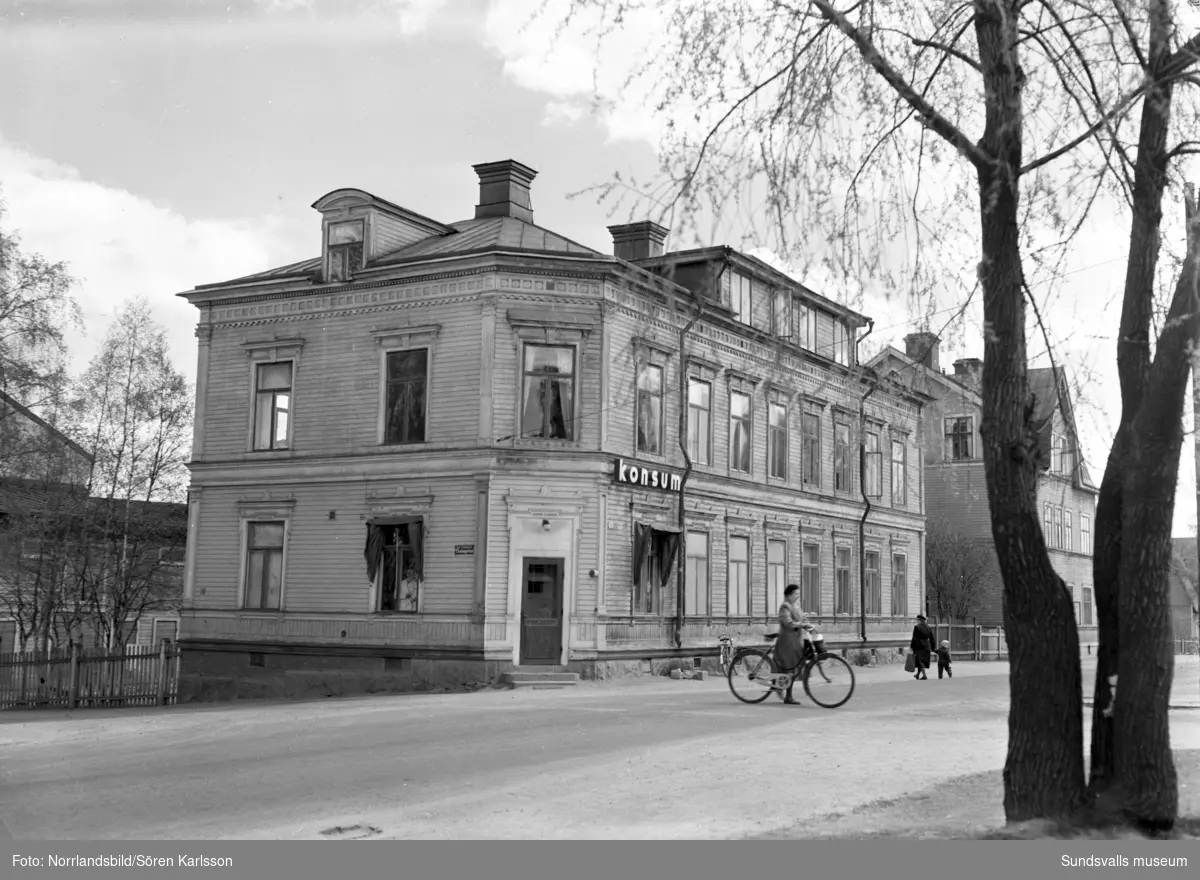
[(789, 646), (922, 647)]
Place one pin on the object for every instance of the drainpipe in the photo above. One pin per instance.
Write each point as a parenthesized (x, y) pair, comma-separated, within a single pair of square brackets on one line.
[(681, 552), (862, 488)]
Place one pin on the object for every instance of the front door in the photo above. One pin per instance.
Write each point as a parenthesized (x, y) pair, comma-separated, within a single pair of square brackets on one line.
[(541, 611)]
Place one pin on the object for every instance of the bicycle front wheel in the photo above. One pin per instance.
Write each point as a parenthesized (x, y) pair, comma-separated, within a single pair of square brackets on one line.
[(751, 675), (829, 681)]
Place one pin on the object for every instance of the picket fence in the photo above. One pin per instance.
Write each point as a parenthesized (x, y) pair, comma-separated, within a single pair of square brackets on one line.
[(77, 678)]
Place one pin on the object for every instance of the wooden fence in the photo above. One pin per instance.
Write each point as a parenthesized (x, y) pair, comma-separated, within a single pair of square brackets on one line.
[(79, 678)]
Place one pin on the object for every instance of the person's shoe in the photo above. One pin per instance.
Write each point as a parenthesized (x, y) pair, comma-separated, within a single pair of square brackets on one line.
[(791, 701)]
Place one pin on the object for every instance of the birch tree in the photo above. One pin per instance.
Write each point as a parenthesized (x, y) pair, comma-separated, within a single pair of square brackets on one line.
[(882, 141)]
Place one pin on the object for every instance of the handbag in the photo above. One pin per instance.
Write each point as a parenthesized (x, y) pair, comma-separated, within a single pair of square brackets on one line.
[(910, 662)]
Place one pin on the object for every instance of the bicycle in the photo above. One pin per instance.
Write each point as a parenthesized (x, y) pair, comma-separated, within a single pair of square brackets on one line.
[(726, 660), (761, 677)]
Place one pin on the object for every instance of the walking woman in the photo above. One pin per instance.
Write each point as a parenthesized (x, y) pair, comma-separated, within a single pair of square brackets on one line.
[(789, 646), (922, 647)]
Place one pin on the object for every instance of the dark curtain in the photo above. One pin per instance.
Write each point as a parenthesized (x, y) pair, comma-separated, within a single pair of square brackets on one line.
[(374, 550), (642, 535), (670, 547), (418, 554)]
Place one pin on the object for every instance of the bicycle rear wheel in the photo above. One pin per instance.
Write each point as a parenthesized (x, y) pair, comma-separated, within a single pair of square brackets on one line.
[(829, 681), (751, 675)]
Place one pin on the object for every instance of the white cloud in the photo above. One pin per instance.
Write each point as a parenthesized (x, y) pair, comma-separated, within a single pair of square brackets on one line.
[(563, 113), (572, 68), (120, 245), (414, 16)]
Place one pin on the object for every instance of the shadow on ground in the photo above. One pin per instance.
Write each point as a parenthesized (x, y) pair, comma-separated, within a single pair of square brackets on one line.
[(972, 807)]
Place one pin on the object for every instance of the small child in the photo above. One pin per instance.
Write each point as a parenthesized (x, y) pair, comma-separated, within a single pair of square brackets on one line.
[(943, 653)]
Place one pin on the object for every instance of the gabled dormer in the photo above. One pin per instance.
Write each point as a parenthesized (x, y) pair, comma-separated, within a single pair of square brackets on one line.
[(358, 228)]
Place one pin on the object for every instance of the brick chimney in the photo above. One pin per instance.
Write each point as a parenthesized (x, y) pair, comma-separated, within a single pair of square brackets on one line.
[(922, 347), (637, 241), (969, 371), (504, 190)]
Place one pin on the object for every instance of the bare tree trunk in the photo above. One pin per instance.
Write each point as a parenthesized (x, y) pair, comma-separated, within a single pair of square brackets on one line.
[(1043, 772), (1133, 365)]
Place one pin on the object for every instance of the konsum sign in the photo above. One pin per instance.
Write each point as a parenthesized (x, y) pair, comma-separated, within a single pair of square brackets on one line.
[(633, 474)]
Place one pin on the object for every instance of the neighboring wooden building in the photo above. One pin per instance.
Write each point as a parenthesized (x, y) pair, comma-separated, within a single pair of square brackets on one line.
[(453, 449), (956, 490)]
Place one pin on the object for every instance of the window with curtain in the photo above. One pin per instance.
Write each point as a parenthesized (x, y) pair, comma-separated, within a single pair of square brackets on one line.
[(264, 565), (407, 393), (841, 456), (781, 320), (841, 343), (650, 409), (395, 564), (272, 405), (899, 473), (740, 300), (654, 556), (805, 334), (810, 451), (548, 392), (739, 431), (874, 462), (899, 585), (777, 439)]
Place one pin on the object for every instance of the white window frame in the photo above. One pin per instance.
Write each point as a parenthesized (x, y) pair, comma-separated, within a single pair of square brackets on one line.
[(729, 563), (902, 571), (644, 363), (805, 457), (849, 569), (330, 248), (1068, 531), (694, 443), (576, 388), (804, 317), (1085, 528), (263, 512), (398, 340), (777, 575), (291, 393), (781, 313), (870, 588), (842, 421), (777, 400), (873, 459), (274, 351), (841, 342), (804, 569), (899, 472), (741, 298), (749, 420), (688, 569)]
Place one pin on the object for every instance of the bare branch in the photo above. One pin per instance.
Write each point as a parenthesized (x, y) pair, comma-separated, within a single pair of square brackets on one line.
[(949, 50)]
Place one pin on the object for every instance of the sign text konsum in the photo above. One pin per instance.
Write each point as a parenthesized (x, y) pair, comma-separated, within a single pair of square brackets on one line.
[(638, 475)]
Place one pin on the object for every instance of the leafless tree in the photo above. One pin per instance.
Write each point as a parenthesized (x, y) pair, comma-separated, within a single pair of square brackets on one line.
[(957, 570), (993, 126)]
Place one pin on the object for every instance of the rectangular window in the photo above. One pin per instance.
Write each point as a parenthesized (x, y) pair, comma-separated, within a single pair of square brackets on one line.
[(1056, 460), (873, 587), (960, 434), (738, 598), (810, 451), (899, 585), (272, 405), (843, 602), (1048, 524), (1086, 620), (740, 298), (1068, 531), (548, 392), (899, 473), (657, 565), (805, 333), (696, 595), (810, 586), (650, 409), (841, 343), (776, 574), (1058, 527), (777, 440), (874, 462), (781, 319), (1085, 534), (739, 431), (345, 247), (264, 564), (699, 421), (841, 456), (407, 393), (401, 571)]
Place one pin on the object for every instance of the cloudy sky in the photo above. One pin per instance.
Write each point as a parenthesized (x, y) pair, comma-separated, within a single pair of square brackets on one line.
[(159, 144)]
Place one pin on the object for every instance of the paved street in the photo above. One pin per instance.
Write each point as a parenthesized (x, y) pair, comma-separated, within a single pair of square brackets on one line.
[(657, 759)]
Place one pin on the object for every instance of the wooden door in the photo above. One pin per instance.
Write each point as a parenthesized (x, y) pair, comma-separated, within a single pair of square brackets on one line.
[(541, 611)]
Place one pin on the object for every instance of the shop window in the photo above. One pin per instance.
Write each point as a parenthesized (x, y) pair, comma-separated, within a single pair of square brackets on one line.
[(548, 392), (394, 555), (654, 555)]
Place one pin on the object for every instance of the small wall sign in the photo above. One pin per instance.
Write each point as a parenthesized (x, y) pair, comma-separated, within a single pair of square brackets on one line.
[(464, 549)]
